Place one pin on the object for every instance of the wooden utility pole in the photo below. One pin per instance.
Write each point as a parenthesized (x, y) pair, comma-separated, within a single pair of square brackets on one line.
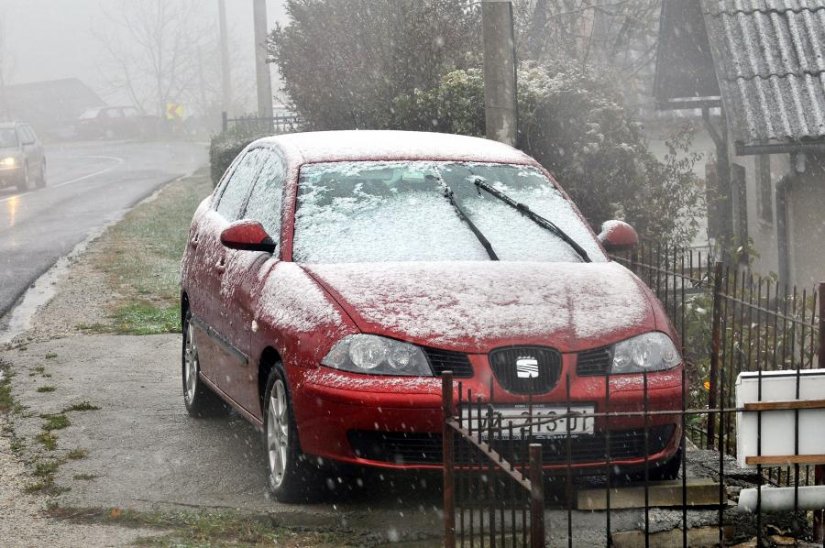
[(226, 74), (261, 66), (499, 71)]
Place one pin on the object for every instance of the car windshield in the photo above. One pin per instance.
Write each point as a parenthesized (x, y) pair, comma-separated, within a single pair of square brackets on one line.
[(399, 211), (8, 138)]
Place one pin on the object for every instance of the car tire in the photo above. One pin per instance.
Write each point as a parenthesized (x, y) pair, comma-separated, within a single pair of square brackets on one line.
[(291, 476), (23, 183), (199, 399), (41, 180)]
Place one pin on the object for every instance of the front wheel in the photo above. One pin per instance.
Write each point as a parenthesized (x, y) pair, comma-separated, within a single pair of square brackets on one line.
[(23, 182), (41, 179), (199, 400), (290, 475)]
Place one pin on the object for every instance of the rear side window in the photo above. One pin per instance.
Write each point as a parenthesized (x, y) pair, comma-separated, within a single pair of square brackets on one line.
[(240, 182), (267, 195), (26, 135)]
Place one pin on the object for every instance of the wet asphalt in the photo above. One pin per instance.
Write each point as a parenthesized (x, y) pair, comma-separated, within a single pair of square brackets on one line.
[(89, 185)]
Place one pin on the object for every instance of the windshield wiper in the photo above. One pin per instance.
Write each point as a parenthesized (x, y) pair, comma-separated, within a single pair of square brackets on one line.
[(524, 209), (448, 193)]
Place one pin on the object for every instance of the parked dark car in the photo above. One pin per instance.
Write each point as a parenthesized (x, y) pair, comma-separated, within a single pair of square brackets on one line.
[(22, 158), (331, 278), (110, 123)]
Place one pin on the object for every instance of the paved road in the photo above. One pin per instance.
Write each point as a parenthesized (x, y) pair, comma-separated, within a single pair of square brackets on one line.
[(89, 185)]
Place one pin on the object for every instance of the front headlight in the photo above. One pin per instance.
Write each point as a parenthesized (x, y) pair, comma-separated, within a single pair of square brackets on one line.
[(9, 161), (378, 356), (648, 352)]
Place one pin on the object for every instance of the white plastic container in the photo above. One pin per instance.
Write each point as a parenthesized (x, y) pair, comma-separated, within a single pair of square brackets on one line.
[(778, 436)]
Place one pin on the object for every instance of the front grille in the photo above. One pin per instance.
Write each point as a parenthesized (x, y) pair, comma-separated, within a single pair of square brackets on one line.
[(446, 360), (526, 369), (594, 362), (422, 448)]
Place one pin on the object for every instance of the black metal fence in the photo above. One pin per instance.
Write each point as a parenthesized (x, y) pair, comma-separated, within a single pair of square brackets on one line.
[(282, 123), (641, 433)]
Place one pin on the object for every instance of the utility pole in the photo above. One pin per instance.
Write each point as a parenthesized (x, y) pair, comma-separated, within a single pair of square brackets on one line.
[(226, 75), (261, 66), (499, 71)]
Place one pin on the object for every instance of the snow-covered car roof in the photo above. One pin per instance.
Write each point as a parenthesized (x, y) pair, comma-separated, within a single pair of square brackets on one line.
[(342, 146)]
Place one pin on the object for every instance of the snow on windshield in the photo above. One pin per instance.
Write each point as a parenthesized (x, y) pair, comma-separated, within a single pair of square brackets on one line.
[(398, 211)]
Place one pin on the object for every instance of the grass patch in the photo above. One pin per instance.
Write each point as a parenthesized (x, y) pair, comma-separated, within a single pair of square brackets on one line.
[(45, 469), (146, 318), (84, 477), (46, 388), (140, 257), (17, 445), (55, 422), (208, 528), (46, 486), (6, 399), (51, 355), (77, 454), (47, 440), (85, 405)]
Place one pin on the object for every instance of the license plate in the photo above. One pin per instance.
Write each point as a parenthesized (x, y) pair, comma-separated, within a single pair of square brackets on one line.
[(547, 421)]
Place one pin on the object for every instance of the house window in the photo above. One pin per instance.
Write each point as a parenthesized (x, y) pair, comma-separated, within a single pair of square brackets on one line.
[(764, 188)]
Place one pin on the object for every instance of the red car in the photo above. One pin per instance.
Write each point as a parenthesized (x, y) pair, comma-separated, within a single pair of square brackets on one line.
[(331, 277)]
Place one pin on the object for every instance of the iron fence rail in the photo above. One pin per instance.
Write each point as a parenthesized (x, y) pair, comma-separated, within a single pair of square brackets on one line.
[(280, 123), (730, 321)]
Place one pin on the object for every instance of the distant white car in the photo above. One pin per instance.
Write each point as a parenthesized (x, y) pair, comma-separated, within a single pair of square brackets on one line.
[(22, 159)]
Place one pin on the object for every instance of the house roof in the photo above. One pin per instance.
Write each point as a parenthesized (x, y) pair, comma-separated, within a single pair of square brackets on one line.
[(50, 103), (770, 63), (769, 59)]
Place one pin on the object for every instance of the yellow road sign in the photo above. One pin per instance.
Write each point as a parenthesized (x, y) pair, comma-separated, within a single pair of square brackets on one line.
[(174, 111)]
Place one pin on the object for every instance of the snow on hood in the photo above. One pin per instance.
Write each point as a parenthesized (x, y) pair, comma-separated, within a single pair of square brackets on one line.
[(466, 304)]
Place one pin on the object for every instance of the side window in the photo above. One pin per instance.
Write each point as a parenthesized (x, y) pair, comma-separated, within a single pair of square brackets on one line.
[(266, 198), (238, 185)]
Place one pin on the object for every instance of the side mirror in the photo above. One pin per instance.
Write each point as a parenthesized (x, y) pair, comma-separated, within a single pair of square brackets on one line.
[(617, 236), (247, 235)]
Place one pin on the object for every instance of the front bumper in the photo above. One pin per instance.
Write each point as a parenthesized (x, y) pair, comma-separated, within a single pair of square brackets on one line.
[(10, 176), (396, 423)]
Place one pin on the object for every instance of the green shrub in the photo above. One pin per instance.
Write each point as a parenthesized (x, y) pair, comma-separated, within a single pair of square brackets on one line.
[(573, 121), (225, 146)]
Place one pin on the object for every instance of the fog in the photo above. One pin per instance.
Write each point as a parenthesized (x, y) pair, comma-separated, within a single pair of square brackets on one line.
[(55, 39)]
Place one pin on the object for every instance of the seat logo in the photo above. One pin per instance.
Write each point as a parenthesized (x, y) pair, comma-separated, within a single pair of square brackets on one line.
[(527, 367)]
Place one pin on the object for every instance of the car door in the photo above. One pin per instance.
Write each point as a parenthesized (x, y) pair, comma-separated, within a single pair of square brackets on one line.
[(245, 274), (220, 352), (36, 154), (28, 145)]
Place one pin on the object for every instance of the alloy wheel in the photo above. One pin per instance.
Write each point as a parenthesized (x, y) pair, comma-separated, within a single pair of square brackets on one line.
[(277, 432), (190, 360)]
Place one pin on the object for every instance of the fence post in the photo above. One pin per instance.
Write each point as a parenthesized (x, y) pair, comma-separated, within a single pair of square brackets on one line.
[(536, 497), (224, 121), (448, 459), (716, 342), (819, 469)]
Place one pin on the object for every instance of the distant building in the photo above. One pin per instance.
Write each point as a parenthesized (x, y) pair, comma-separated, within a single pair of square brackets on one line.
[(51, 107), (761, 64)]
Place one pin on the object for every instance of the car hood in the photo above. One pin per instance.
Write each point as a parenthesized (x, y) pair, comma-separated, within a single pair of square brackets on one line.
[(475, 306)]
